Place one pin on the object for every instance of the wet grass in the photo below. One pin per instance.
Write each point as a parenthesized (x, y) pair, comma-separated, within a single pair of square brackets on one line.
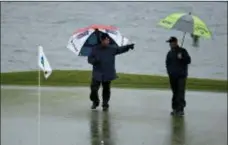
[(82, 78)]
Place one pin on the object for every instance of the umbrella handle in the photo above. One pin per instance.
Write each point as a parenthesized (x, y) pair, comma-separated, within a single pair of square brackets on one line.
[(98, 36), (182, 43)]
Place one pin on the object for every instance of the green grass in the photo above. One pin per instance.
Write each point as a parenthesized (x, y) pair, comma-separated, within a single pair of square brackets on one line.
[(82, 78)]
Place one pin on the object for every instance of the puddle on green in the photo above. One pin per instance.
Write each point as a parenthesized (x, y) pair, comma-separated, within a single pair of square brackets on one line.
[(136, 117)]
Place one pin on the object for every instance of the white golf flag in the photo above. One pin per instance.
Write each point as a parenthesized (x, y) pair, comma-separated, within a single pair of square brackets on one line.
[(43, 63)]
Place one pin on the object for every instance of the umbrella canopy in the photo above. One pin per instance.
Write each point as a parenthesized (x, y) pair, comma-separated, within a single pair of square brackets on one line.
[(186, 23), (84, 39)]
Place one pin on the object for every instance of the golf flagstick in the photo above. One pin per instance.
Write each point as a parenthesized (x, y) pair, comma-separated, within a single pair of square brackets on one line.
[(38, 129), (46, 68)]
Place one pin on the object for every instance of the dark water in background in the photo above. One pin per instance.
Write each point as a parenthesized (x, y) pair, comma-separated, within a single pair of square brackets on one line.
[(25, 25)]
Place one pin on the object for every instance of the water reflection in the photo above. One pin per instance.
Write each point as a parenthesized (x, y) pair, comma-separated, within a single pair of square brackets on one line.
[(178, 131), (100, 128)]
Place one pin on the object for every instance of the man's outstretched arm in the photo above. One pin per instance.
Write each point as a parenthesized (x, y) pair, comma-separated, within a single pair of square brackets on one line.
[(123, 49)]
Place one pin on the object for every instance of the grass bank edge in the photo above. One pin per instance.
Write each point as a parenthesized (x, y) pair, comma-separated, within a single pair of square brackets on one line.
[(82, 78)]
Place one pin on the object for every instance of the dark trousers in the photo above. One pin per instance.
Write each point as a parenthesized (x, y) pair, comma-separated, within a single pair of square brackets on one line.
[(95, 85), (178, 88)]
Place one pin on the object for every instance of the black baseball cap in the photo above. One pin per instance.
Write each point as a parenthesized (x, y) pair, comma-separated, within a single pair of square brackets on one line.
[(172, 39)]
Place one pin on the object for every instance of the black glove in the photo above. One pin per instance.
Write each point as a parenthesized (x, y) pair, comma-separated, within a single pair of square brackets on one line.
[(131, 46)]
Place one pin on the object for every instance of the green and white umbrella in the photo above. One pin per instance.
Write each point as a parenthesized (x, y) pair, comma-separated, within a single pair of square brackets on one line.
[(186, 23)]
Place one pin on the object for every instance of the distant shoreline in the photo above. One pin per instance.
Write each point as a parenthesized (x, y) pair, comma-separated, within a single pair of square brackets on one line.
[(83, 78)]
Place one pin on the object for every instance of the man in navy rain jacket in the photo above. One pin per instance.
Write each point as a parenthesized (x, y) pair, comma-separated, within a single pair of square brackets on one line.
[(102, 58), (177, 61)]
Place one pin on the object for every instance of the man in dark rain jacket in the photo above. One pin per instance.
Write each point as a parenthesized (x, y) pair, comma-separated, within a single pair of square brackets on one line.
[(102, 58), (177, 61)]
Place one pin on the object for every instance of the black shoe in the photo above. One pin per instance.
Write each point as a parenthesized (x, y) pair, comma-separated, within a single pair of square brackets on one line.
[(94, 105), (180, 113), (105, 107), (174, 112)]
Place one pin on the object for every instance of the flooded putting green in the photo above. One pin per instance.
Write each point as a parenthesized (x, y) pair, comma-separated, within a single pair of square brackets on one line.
[(136, 117)]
